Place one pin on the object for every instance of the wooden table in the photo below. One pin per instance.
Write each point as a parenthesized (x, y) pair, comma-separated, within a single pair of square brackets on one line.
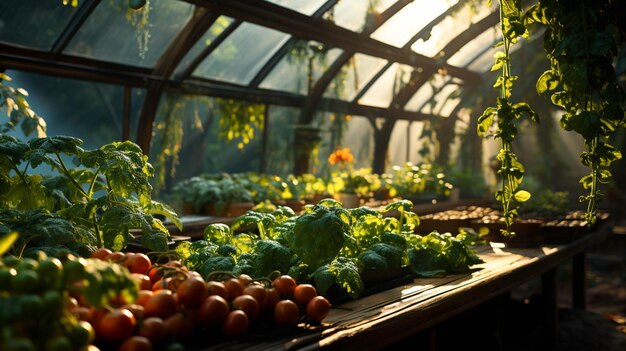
[(379, 320)]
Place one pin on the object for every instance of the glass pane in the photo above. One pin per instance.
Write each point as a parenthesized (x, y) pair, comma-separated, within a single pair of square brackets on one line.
[(34, 23), (353, 75), (450, 28), (90, 111), (382, 91), (216, 29), (340, 130), (238, 58), (448, 96), (354, 14), (405, 143), (301, 67), (115, 33), (306, 7), (473, 49), (406, 23), (280, 132)]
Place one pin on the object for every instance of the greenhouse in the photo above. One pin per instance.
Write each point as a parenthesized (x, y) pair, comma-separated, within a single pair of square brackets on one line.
[(312, 174)]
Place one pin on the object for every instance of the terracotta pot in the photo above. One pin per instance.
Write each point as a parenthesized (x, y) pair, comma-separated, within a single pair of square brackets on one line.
[(296, 205), (348, 200), (315, 199), (188, 209), (233, 209)]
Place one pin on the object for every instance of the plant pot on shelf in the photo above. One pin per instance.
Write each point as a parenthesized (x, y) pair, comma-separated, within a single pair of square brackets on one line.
[(316, 198), (348, 200), (527, 232), (562, 231), (231, 209), (187, 209)]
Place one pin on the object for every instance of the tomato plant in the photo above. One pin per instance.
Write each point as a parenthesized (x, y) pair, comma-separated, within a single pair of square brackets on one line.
[(162, 304), (233, 287), (248, 304), (138, 263), (117, 325), (153, 328), (213, 310), (192, 291), (258, 292), (217, 288)]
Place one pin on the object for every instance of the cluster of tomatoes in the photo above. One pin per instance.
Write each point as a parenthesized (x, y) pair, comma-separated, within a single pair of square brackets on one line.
[(173, 303)]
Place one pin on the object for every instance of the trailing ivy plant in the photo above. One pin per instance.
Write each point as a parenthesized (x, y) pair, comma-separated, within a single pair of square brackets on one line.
[(18, 110), (506, 113), (581, 42)]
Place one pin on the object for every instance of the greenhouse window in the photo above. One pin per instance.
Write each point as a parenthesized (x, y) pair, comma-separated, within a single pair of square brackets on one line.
[(359, 70), (33, 23), (401, 27), (383, 90), (353, 14), (115, 33), (240, 56)]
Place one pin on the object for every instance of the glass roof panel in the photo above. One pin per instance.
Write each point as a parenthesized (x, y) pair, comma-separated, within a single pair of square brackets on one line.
[(408, 21), (382, 91), (306, 7), (353, 14), (442, 96), (426, 93), (450, 28), (242, 54), (291, 73), (215, 30), (473, 49), (353, 75), (115, 33), (33, 23)]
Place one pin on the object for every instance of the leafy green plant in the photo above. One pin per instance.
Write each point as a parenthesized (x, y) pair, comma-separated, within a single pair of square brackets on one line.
[(108, 192), (438, 254), (506, 113), (581, 42), (410, 181), (217, 189)]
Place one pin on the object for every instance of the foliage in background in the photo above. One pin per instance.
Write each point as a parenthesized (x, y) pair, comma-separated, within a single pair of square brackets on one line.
[(581, 41), (18, 110), (506, 113), (411, 181)]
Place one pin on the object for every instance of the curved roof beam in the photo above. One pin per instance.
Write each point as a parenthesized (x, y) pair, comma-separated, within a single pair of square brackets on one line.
[(289, 21), (199, 23), (315, 95), (419, 78), (284, 49), (72, 27)]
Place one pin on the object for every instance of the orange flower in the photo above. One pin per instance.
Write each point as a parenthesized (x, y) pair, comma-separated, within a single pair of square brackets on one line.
[(341, 156)]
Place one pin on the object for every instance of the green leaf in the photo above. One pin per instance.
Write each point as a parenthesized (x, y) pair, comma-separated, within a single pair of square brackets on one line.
[(218, 233), (271, 256), (346, 274), (6, 241), (486, 120), (155, 241), (406, 205), (522, 196), (548, 81), (165, 210)]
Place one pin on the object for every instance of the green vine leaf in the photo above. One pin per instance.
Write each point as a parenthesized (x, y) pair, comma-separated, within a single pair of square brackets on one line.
[(522, 196), (548, 81)]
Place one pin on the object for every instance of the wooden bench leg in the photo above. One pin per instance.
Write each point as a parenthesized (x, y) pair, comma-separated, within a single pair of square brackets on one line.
[(550, 309), (579, 286)]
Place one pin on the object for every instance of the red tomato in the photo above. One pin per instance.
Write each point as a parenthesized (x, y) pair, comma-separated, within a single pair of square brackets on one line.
[(155, 273), (213, 310), (101, 253), (303, 293), (233, 287), (138, 263), (273, 296), (217, 288), (117, 325), (258, 292), (318, 308), (138, 311), (248, 304), (192, 291), (143, 296), (153, 328), (162, 304), (236, 324), (115, 256), (284, 284), (286, 312), (178, 326), (136, 343), (143, 281)]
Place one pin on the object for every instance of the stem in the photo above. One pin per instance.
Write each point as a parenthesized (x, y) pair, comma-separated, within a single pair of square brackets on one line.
[(261, 230), (97, 229), (93, 182), (67, 173)]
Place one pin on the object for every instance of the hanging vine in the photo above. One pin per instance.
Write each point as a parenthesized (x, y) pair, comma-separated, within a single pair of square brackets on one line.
[(581, 43), (506, 114)]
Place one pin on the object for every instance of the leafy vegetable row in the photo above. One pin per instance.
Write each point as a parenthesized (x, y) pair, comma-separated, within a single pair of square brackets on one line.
[(327, 245)]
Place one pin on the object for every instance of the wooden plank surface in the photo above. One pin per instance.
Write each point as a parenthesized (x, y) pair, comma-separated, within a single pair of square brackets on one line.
[(400, 312)]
